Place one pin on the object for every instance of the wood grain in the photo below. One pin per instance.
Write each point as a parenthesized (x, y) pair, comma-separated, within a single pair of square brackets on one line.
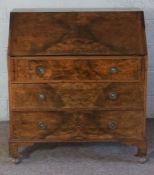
[(61, 88), (91, 125), (77, 95), (78, 69), (77, 33)]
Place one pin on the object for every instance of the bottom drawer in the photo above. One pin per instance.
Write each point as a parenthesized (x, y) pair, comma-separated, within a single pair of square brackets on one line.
[(80, 126)]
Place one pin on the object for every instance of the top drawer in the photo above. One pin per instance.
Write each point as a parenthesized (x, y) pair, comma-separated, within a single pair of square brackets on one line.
[(77, 69)]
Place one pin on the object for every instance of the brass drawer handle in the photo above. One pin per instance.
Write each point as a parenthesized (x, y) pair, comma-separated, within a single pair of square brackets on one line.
[(113, 70), (40, 70), (42, 97), (42, 125), (113, 96), (113, 125)]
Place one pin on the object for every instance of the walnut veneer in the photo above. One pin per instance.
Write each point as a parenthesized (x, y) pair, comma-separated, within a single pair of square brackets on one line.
[(77, 77)]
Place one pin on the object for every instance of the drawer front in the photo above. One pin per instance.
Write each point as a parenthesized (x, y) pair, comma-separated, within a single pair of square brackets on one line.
[(78, 69), (83, 126), (78, 95)]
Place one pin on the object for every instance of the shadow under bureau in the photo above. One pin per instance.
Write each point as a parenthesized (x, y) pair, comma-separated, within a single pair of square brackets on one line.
[(77, 77)]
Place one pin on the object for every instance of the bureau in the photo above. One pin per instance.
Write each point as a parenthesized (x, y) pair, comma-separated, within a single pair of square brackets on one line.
[(77, 77)]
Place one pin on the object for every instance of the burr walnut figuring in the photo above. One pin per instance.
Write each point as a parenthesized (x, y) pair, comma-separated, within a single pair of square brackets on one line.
[(77, 77)]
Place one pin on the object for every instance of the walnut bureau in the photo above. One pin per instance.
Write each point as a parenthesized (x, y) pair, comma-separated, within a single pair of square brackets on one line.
[(77, 77)]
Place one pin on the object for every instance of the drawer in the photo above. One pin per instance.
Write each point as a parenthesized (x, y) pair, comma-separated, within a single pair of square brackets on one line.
[(77, 95), (83, 126), (78, 68)]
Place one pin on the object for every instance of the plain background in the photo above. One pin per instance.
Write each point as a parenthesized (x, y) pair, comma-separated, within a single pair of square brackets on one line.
[(7, 5)]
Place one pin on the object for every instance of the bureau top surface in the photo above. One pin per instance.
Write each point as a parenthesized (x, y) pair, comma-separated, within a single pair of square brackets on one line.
[(77, 33)]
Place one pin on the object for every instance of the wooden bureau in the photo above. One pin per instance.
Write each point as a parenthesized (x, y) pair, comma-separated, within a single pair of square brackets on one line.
[(77, 77)]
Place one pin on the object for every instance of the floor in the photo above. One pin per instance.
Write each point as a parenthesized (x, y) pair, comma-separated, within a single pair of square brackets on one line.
[(77, 159)]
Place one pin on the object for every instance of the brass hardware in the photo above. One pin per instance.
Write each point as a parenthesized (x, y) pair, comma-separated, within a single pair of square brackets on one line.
[(113, 95), (113, 125), (42, 125), (114, 70), (40, 70), (42, 97)]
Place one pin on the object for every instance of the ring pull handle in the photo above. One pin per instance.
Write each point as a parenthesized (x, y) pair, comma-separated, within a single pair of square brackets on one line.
[(113, 96), (40, 70), (42, 97), (113, 70), (113, 125), (42, 125)]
